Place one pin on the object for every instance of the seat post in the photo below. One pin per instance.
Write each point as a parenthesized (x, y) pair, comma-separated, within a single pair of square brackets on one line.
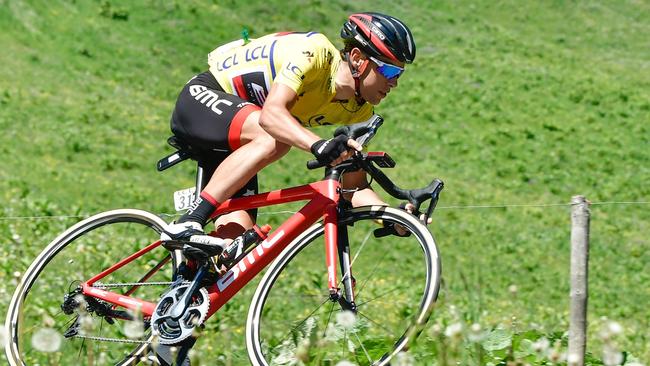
[(199, 181)]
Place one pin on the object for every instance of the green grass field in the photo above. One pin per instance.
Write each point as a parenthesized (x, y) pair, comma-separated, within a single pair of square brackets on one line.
[(513, 104)]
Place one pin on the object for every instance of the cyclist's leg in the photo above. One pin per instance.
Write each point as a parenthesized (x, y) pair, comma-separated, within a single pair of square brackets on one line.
[(211, 121)]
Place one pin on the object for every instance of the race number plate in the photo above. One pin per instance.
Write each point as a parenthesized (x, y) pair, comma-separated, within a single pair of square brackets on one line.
[(183, 199)]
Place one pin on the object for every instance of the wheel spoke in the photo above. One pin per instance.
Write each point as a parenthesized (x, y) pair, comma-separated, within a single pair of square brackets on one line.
[(386, 303), (82, 252)]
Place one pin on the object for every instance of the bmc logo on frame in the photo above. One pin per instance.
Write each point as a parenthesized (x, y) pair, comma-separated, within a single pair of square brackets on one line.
[(246, 262)]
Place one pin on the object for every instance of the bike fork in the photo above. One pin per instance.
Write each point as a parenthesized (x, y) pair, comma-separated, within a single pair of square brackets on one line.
[(343, 246)]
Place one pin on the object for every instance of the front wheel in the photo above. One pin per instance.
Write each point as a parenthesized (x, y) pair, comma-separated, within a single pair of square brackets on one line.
[(41, 333), (396, 282)]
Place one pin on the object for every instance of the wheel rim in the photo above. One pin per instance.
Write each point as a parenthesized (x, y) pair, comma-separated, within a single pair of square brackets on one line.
[(380, 290), (82, 251)]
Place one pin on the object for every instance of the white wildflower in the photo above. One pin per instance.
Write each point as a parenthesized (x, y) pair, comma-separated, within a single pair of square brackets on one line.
[(3, 337), (573, 359), (195, 357), (346, 319), (609, 330), (614, 328), (476, 334), (351, 346), (46, 340), (345, 363), (403, 359), (86, 324), (541, 345), (556, 355), (611, 356), (134, 329), (332, 333), (309, 326), (513, 289), (17, 274), (302, 352), (454, 330), (435, 330)]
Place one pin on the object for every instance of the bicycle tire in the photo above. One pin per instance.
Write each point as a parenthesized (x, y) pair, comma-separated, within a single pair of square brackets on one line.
[(41, 289), (266, 309)]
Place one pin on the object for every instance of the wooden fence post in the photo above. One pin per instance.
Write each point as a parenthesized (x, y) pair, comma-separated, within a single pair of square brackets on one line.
[(579, 271)]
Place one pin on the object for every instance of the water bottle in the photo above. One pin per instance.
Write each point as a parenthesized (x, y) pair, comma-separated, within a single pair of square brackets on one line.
[(241, 243)]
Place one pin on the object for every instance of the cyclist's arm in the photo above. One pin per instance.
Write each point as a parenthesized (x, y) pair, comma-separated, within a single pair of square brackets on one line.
[(363, 197), (278, 122)]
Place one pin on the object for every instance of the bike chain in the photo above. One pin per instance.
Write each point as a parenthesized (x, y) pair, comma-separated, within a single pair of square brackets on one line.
[(114, 340)]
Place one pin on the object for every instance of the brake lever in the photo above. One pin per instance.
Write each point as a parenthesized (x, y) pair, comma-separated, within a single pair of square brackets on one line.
[(435, 195)]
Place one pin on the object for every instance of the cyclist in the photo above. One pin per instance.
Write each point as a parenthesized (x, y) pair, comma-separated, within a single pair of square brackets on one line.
[(258, 99)]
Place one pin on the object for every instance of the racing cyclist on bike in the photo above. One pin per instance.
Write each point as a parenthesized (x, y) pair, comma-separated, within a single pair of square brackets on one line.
[(258, 99)]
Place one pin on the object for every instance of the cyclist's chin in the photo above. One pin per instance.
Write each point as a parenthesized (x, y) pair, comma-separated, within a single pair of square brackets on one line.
[(375, 99)]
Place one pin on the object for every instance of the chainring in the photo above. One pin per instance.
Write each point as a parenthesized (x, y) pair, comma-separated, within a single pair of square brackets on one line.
[(170, 331)]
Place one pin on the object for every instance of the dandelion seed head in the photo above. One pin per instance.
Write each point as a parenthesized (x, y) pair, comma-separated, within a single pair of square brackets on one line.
[(403, 359), (614, 328), (302, 352), (310, 324), (195, 357), (86, 324), (46, 340), (611, 356), (17, 274), (346, 319), (133, 329), (454, 330), (351, 346), (345, 363), (573, 359), (3, 337), (555, 355), (436, 329), (475, 333), (513, 289), (541, 345)]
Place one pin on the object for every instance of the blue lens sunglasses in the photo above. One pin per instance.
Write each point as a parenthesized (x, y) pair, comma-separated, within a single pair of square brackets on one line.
[(387, 70)]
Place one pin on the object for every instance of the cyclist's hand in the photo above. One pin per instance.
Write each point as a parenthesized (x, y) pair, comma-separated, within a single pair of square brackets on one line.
[(410, 208), (334, 150)]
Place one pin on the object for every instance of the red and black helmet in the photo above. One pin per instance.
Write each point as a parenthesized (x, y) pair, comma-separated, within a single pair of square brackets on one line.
[(381, 36)]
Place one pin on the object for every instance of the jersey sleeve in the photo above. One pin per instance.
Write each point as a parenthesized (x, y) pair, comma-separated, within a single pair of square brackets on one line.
[(299, 66)]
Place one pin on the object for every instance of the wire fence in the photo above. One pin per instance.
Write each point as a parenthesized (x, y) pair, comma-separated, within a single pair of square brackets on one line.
[(289, 212)]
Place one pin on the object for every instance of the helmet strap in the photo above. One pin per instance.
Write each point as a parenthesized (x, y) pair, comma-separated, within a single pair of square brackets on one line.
[(356, 75)]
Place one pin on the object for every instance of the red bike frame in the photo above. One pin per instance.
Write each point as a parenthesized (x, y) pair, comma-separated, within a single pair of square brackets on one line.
[(323, 199)]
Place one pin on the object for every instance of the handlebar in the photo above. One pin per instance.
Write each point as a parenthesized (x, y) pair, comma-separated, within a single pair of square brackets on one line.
[(363, 132)]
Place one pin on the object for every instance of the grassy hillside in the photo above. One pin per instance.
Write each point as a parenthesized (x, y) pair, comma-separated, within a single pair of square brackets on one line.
[(510, 103)]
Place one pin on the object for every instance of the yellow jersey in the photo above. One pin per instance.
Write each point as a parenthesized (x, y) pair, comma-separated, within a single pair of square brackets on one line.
[(305, 62)]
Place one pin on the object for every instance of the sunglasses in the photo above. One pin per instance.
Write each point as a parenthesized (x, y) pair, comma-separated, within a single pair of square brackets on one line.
[(387, 70)]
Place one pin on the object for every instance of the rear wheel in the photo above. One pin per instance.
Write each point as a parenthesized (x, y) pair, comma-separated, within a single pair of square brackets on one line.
[(42, 333), (396, 284)]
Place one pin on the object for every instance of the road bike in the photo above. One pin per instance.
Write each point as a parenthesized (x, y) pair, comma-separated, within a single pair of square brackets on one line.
[(115, 293)]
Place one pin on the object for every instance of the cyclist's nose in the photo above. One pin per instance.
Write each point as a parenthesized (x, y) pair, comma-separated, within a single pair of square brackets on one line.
[(392, 82)]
